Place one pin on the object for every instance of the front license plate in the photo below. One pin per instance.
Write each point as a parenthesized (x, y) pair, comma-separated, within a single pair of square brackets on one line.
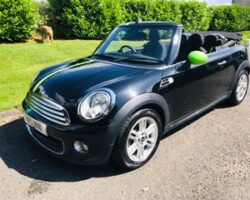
[(40, 127)]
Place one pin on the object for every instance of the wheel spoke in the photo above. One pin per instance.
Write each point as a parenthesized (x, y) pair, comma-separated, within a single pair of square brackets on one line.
[(244, 79), (140, 152), (241, 93), (151, 129), (245, 85), (133, 135), (132, 148), (150, 142), (238, 89), (142, 125)]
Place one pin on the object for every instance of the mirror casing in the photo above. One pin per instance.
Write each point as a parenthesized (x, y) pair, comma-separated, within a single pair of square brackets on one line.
[(197, 57)]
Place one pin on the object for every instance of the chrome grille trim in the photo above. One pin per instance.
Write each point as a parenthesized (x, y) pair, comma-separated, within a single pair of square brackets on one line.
[(40, 106), (37, 109), (46, 102), (48, 109)]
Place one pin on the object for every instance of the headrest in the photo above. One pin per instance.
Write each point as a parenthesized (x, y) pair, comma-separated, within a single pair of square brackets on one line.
[(219, 42), (184, 39), (196, 40), (154, 35), (141, 36), (211, 40)]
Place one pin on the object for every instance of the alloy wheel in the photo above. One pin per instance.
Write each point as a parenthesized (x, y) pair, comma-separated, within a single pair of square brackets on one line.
[(142, 139), (242, 87)]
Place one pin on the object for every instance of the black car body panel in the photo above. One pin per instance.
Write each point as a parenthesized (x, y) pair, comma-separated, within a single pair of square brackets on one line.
[(176, 90), (198, 85), (68, 86)]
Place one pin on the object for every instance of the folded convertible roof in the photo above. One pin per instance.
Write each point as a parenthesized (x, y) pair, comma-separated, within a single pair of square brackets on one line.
[(229, 35)]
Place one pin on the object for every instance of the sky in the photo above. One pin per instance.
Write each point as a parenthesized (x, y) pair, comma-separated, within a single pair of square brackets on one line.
[(218, 1)]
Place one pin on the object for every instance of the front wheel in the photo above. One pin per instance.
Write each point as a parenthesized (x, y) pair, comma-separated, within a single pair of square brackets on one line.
[(138, 139), (240, 89)]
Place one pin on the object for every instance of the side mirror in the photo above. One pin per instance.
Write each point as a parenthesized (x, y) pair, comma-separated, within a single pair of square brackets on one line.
[(197, 57)]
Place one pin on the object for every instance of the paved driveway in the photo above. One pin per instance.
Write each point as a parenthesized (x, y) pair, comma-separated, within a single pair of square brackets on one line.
[(209, 158)]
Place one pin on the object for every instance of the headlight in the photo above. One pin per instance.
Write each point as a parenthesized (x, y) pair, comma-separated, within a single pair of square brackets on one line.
[(96, 105)]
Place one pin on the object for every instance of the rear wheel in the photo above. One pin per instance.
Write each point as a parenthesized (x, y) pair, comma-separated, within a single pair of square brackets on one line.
[(240, 89), (138, 139)]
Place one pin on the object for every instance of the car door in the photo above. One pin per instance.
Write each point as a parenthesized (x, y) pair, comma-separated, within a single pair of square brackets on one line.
[(196, 86), (230, 59)]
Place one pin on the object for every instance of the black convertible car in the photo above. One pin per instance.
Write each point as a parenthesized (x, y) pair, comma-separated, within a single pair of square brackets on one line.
[(145, 79)]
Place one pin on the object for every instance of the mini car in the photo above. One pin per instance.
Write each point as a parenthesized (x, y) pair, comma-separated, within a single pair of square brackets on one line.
[(144, 80)]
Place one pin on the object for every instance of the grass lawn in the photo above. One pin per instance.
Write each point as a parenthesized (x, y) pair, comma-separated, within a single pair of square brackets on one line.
[(246, 35), (19, 63)]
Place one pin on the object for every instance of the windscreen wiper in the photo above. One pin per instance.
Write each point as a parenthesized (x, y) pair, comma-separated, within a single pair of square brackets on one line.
[(102, 55), (139, 58)]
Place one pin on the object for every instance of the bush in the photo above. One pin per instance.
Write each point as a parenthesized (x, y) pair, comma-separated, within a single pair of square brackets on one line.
[(230, 18), (85, 19), (148, 10), (195, 16), (192, 14), (17, 18), (93, 19)]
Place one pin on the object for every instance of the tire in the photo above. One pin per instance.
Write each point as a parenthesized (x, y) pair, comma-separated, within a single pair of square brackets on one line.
[(236, 98), (135, 147)]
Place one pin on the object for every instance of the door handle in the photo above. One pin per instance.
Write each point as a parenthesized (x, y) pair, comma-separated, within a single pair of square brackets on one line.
[(222, 62)]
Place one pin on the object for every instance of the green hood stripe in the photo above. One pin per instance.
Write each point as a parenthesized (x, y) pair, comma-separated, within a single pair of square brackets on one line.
[(56, 72)]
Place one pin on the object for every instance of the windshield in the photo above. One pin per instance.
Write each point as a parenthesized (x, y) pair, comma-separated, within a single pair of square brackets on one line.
[(137, 43)]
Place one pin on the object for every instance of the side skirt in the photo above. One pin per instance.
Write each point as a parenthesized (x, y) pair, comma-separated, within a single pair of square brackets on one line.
[(187, 118)]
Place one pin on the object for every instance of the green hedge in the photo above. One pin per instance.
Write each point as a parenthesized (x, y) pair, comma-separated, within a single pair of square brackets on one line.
[(17, 19), (195, 16), (93, 19), (85, 19), (148, 10), (230, 18)]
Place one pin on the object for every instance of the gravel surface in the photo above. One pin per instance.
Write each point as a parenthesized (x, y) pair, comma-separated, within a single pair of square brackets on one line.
[(209, 158)]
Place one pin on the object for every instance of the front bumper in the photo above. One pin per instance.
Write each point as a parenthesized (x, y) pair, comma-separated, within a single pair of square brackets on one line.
[(60, 141)]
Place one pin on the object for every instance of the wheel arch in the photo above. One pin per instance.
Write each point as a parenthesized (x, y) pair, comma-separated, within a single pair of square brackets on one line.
[(156, 108), (146, 100), (247, 69), (243, 66)]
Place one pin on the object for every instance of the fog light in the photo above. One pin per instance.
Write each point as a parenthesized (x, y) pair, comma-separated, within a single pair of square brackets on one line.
[(80, 147)]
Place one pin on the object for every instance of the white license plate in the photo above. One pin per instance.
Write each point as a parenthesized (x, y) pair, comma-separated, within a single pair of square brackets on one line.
[(40, 127)]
